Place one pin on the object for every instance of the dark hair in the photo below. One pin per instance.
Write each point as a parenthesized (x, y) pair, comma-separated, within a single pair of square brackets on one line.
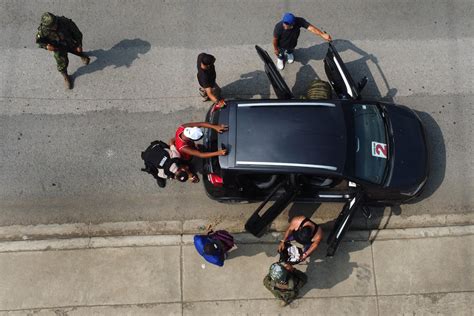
[(305, 234), (181, 175), (208, 59), (211, 249)]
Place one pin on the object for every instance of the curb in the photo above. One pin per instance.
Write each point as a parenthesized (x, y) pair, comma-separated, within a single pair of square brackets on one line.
[(150, 228), (240, 238)]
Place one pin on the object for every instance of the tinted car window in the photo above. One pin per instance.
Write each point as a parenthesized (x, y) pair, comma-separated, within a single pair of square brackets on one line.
[(370, 146)]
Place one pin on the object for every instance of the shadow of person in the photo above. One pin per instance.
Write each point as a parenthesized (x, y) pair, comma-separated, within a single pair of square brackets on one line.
[(327, 272), (357, 68), (304, 77), (249, 85), (122, 54)]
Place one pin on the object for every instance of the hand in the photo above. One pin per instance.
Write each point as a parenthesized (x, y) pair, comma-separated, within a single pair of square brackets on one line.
[(281, 246), (276, 51), (195, 179), (50, 47), (304, 256), (218, 105), (222, 152), (79, 49), (326, 36), (222, 128)]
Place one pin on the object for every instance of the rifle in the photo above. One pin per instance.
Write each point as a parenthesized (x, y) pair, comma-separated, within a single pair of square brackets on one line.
[(60, 46)]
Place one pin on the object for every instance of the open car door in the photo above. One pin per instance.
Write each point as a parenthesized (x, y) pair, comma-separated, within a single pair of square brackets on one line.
[(339, 76), (342, 223), (279, 85), (258, 223)]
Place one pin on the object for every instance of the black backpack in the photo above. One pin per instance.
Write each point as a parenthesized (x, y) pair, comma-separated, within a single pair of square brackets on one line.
[(156, 157)]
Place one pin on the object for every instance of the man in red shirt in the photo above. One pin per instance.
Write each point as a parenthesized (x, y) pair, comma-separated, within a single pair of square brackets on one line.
[(188, 133)]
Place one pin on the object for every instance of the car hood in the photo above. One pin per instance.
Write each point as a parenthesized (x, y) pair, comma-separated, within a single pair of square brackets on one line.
[(409, 154)]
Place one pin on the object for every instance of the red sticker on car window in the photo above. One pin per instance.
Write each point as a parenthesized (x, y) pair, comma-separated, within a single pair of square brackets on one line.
[(379, 150)]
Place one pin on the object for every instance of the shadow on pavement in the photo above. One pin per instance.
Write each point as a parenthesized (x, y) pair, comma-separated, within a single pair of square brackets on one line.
[(122, 54), (436, 153), (357, 68), (251, 84)]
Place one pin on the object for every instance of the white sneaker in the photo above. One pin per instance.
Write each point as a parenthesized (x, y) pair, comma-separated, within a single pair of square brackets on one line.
[(280, 64), (290, 58)]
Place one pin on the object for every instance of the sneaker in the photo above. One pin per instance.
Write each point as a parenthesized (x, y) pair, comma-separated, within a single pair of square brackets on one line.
[(161, 182), (85, 60), (280, 64), (290, 58)]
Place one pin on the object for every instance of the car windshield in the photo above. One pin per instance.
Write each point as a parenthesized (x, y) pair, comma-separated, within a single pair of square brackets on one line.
[(370, 148)]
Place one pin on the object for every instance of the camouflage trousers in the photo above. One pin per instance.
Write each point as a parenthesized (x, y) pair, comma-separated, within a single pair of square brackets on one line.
[(287, 296), (62, 60)]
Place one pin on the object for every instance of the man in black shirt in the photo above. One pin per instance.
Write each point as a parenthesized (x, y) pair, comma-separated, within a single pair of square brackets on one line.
[(285, 37), (206, 76)]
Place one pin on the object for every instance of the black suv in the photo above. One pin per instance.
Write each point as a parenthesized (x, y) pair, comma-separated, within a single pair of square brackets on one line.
[(362, 153)]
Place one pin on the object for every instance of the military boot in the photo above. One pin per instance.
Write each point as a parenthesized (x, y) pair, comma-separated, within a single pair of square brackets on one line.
[(67, 80), (85, 59)]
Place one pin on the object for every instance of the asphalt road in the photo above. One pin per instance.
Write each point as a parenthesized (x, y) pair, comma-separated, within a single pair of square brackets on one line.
[(74, 156)]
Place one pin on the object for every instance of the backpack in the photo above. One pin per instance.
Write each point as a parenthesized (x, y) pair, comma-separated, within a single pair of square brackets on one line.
[(318, 89), (223, 238), (156, 157)]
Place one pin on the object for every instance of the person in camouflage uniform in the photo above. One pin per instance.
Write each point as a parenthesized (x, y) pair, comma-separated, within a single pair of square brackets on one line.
[(61, 36), (284, 281)]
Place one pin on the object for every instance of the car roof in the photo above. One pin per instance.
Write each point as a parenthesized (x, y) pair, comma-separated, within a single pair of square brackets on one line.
[(284, 136)]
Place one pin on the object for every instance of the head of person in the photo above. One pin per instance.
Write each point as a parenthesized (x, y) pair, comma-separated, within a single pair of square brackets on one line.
[(207, 61), (305, 234), (48, 20), (193, 133), (211, 249), (288, 20), (278, 273), (181, 175)]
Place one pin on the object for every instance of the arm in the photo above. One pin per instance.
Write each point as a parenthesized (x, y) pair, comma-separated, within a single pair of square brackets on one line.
[(317, 239), (275, 45), (288, 231), (197, 153), (218, 128), (313, 29)]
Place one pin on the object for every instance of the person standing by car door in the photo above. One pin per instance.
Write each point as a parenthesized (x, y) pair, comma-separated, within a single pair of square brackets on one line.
[(285, 37), (304, 231)]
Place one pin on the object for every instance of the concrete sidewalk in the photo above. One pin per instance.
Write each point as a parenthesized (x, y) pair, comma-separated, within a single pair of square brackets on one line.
[(422, 271)]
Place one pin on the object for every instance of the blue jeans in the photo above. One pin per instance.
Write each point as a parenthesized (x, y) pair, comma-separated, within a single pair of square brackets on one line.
[(282, 53)]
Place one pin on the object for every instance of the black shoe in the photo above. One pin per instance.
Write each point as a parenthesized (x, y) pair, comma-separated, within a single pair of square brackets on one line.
[(161, 182)]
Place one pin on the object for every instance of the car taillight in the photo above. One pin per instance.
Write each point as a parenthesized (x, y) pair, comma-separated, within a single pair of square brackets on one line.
[(215, 180)]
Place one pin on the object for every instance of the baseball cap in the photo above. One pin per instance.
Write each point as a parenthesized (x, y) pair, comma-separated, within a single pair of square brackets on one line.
[(194, 133), (288, 18)]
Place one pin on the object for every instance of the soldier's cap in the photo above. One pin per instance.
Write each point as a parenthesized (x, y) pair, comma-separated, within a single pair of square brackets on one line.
[(48, 19), (278, 273)]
